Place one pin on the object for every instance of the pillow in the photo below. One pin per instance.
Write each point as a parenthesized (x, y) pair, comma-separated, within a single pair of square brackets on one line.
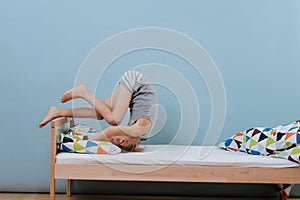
[(281, 141), (77, 140), (90, 147)]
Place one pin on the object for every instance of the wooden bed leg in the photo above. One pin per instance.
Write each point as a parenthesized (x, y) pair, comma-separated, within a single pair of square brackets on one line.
[(52, 159), (68, 187), (52, 188)]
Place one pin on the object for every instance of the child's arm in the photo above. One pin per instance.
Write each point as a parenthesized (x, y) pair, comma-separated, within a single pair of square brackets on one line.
[(138, 129)]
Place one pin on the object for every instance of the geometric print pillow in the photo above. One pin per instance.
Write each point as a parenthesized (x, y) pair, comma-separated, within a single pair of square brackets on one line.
[(77, 140), (90, 147), (280, 141)]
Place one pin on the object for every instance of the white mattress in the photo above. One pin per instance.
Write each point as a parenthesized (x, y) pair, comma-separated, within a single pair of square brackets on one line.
[(177, 155)]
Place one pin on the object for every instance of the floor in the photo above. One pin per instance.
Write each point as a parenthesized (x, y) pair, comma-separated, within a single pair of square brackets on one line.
[(29, 196)]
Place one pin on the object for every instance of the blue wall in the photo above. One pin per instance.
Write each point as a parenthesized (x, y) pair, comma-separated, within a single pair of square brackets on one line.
[(254, 43)]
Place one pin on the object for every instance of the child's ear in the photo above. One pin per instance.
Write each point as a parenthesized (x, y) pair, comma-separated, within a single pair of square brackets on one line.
[(123, 143)]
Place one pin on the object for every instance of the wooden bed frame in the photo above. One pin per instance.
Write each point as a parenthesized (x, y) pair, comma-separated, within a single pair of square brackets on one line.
[(170, 173)]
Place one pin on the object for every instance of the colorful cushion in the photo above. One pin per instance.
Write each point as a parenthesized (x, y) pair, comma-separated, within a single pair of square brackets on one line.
[(280, 141), (91, 147), (77, 140)]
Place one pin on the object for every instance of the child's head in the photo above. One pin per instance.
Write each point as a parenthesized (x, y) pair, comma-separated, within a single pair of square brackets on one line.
[(125, 142)]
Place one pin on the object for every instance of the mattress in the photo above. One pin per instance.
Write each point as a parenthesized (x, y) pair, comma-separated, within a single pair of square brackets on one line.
[(177, 155)]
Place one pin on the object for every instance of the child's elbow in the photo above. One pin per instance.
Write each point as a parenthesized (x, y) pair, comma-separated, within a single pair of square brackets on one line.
[(112, 121)]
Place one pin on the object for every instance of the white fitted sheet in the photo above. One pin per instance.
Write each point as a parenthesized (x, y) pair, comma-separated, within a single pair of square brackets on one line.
[(177, 155)]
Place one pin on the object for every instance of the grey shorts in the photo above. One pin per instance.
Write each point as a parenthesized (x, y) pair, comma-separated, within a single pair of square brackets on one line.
[(143, 101)]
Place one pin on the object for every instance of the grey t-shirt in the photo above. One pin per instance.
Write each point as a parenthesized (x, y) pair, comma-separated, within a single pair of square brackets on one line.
[(143, 101)]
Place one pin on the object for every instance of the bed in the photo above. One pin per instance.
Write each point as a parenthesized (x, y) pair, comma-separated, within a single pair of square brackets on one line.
[(167, 163)]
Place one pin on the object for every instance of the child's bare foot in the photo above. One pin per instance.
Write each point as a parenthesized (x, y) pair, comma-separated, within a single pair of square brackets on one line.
[(76, 92), (51, 114)]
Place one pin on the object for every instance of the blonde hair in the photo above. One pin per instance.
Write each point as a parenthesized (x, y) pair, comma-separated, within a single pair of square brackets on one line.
[(132, 148)]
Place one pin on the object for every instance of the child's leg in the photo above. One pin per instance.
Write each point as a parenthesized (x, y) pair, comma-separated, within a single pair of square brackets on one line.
[(112, 109), (54, 112)]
